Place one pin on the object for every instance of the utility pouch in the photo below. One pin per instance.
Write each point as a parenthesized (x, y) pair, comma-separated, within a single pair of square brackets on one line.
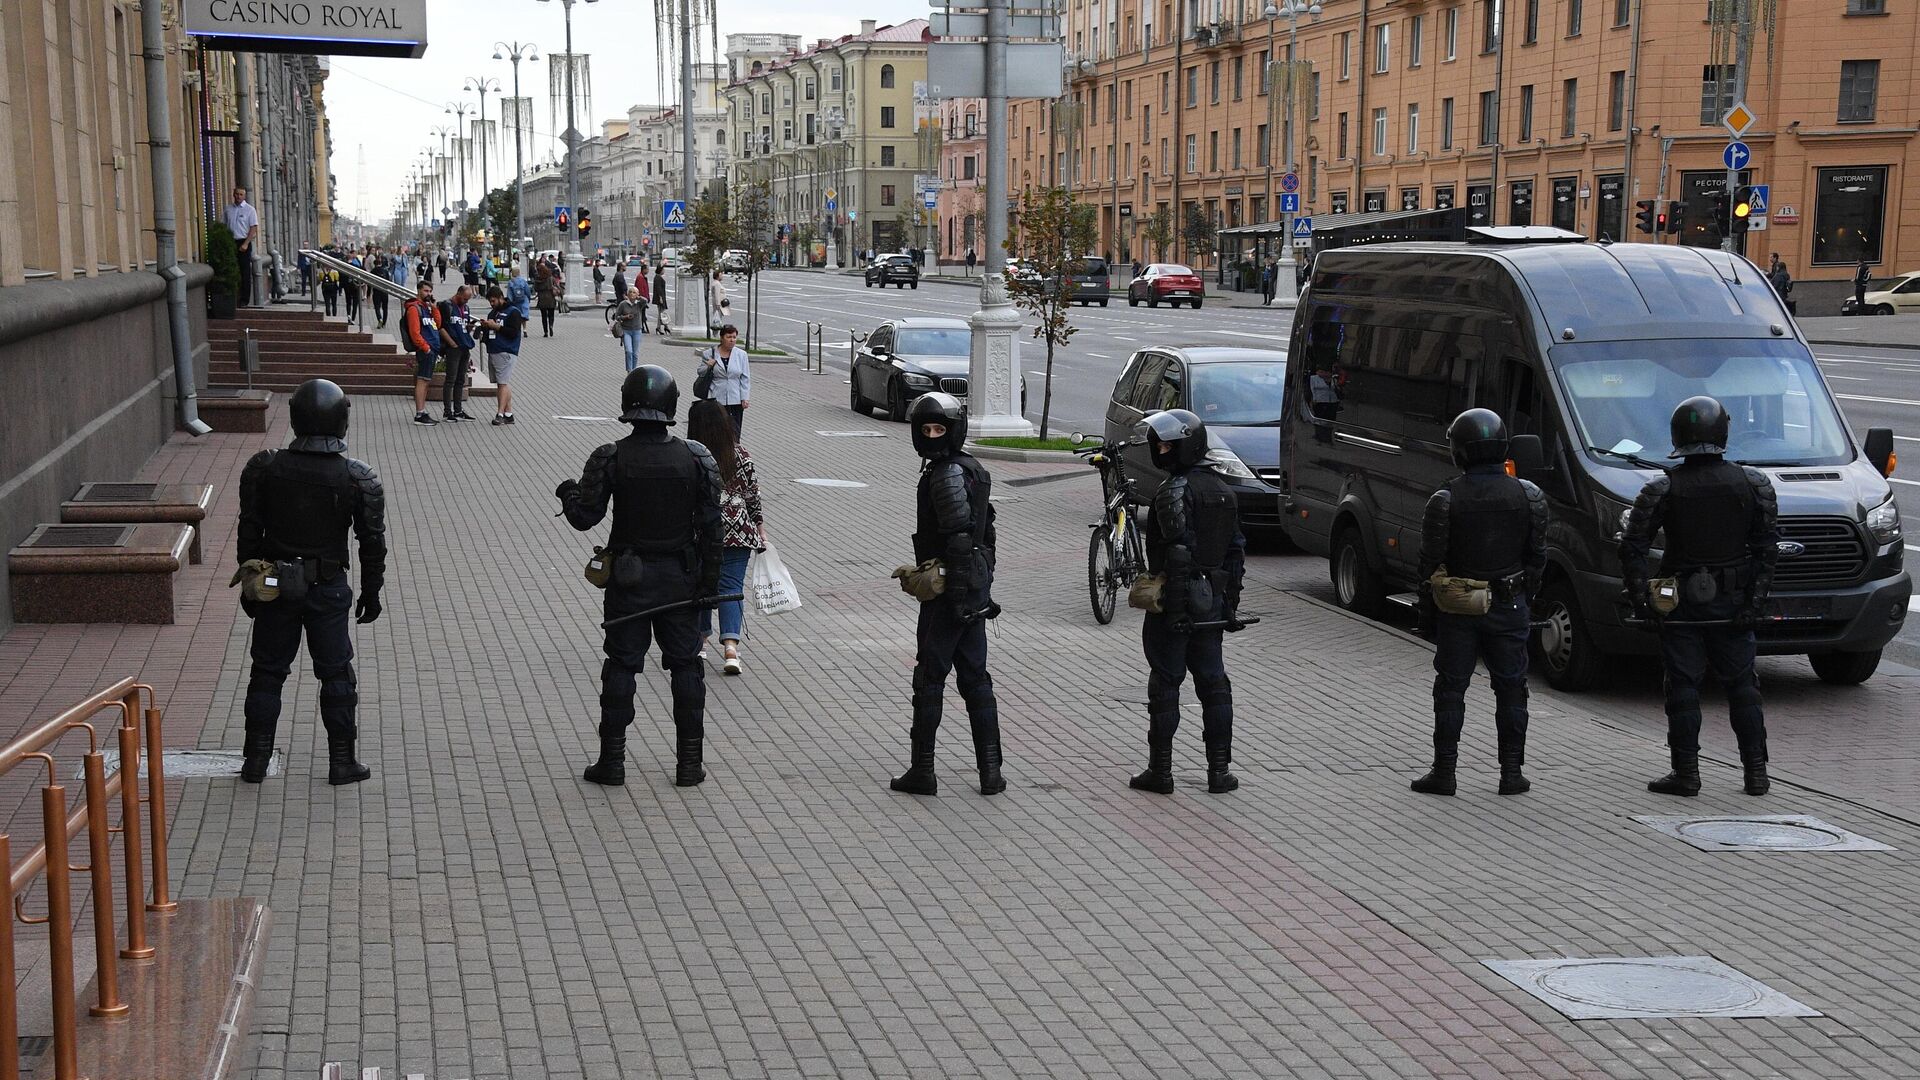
[(290, 577), (1459, 595), (1147, 592), (252, 577), (599, 568), (1200, 595), (628, 570), (1663, 593), (923, 582), (1699, 586)]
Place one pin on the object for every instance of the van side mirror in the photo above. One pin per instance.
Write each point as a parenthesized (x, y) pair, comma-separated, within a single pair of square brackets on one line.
[(1529, 459), (1879, 449)]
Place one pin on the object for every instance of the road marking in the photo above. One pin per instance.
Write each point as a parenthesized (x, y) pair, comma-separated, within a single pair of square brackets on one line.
[(1863, 397), (1850, 378), (1913, 603), (1906, 438), (1101, 355), (1244, 333), (1897, 480), (1122, 337)]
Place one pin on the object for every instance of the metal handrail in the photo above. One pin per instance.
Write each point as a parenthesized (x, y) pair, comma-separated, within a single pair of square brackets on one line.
[(360, 274)]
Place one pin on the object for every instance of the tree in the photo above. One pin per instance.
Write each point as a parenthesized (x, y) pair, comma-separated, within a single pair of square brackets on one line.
[(1083, 232), (1197, 231), (709, 233), (502, 210), (1044, 289), (754, 233), (1157, 230)]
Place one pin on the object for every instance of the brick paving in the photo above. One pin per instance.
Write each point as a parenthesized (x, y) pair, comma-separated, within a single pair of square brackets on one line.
[(477, 911)]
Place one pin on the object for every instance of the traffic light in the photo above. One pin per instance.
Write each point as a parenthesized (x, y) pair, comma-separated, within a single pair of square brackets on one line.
[(1723, 212), (1643, 217), (560, 221), (1676, 215), (586, 222), (1742, 210)]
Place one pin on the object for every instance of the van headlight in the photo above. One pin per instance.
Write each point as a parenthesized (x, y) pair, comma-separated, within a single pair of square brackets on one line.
[(1227, 463), (1883, 522)]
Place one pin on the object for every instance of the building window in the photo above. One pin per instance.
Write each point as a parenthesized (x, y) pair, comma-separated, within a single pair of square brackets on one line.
[(1616, 101), (1236, 148), (1866, 7), (1450, 34), (1416, 39), (1239, 75), (1446, 123), (1213, 151), (1564, 213), (1611, 217), (1338, 202), (1342, 125), (886, 116), (886, 194), (1575, 15), (1569, 108), (1193, 153), (1848, 210), (1313, 178), (1213, 83), (969, 167), (1379, 132), (1479, 204), (1127, 90), (1381, 47), (1166, 159), (1266, 72), (1313, 89), (786, 131), (1858, 81), (786, 96), (1622, 12), (1374, 202), (1526, 114), (886, 156), (766, 104), (1530, 29), (1409, 198), (886, 76), (1489, 118), (1261, 147), (1193, 86), (1489, 26), (1520, 203), (1346, 56), (833, 80), (1413, 129), (1443, 197), (1716, 92)]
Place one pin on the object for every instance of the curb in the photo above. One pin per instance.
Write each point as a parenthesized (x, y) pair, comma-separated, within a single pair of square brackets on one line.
[(1007, 453), (780, 357), (1864, 344)]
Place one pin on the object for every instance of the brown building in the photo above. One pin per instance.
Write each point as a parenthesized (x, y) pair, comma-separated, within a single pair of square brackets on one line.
[(1525, 111)]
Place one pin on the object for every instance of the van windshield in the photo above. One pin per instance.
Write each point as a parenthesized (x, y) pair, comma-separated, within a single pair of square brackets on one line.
[(1624, 392)]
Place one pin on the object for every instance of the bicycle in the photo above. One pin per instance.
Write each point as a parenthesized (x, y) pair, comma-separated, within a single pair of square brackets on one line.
[(1116, 552)]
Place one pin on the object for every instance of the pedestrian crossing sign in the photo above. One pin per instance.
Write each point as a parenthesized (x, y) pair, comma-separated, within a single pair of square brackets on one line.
[(674, 213)]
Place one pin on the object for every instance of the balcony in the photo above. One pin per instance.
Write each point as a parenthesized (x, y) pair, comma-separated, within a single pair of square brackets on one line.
[(1215, 35)]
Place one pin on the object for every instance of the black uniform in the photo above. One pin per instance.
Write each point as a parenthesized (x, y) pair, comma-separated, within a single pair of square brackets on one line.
[(666, 547), (953, 523), (1490, 527), (297, 504), (1194, 538), (1721, 545)]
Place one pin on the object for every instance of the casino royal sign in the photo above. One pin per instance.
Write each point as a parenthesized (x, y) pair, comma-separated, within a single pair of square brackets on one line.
[(338, 27)]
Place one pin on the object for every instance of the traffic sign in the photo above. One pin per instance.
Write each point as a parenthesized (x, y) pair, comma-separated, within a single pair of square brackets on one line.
[(1290, 183), (1289, 203), (1736, 155), (1739, 119), (673, 212), (931, 199), (1757, 204), (832, 205), (559, 214), (1303, 232)]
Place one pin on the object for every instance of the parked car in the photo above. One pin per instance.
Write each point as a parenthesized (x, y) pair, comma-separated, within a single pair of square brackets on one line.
[(1171, 282), (1088, 279), (904, 358), (897, 270), (1898, 295), (669, 257), (1584, 350), (734, 260), (1238, 391)]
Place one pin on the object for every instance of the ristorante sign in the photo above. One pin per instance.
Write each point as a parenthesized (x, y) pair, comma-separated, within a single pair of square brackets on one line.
[(338, 27)]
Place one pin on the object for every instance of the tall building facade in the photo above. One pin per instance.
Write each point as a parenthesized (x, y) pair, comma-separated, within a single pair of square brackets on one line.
[(1561, 112), (963, 179), (644, 162)]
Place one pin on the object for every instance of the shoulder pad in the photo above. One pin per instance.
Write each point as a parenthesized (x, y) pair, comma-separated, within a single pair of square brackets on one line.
[(1658, 488), (1171, 492), (1534, 494), (361, 471), (603, 452), (1760, 481), (259, 461)]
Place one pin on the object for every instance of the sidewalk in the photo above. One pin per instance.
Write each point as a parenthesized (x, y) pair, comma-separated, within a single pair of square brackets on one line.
[(1869, 331), (476, 911)]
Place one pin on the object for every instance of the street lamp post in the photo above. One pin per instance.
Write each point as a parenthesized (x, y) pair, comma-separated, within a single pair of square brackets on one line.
[(1286, 289), (517, 51), (458, 109), (443, 131), (836, 123), (576, 275)]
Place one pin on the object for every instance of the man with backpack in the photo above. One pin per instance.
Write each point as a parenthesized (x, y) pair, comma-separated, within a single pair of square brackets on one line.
[(420, 327)]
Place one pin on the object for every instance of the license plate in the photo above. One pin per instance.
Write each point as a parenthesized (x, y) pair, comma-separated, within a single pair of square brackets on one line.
[(1800, 607), (1179, 292)]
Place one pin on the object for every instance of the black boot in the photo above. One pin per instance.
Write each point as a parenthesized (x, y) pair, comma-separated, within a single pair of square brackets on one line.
[(919, 778), (342, 768), (986, 749), (1685, 777), (1158, 777), (688, 770), (1439, 779), (1512, 781), (256, 756), (1219, 756), (1757, 782), (611, 768)]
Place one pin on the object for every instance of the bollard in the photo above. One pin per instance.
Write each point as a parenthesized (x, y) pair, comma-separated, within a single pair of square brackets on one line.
[(53, 808), (137, 947), (100, 867), (157, 814)]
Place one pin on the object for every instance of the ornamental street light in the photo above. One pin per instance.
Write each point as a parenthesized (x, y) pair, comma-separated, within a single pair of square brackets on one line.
[(517, 51), (458, 110), (576, 277), (1286, 284)]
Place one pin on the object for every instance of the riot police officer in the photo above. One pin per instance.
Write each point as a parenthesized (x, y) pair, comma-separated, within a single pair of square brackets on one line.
[(665, 549), (954, 524), (1721, 546), (1484, 526), (1193, 538), (296, 506)]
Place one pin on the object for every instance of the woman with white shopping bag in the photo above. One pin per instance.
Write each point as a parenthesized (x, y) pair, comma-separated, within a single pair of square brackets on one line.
[(742, 522)]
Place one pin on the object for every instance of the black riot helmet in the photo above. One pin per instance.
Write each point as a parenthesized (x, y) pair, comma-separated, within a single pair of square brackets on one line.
[(938, 408), (318, 410), (1184, 434), (1699, 427), (649, 395), (1477, 437)]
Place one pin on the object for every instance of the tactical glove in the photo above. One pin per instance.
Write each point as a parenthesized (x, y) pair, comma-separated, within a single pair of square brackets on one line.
[(367, 608), (1181, 623), (1232, 619), (565, 488)]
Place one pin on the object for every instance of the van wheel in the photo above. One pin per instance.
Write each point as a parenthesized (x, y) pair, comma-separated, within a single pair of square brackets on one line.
[(1355, 585), (1563, 647), (1845, 668)]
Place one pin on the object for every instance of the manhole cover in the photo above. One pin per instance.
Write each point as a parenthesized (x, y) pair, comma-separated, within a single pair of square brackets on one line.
[(195, 764), (815, 481), (1761, 832), (851, 434), (79, 536), (118, 493), (1655, 986)]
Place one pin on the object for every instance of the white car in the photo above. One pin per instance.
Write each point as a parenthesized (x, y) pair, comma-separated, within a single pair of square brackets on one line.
[(1899, 295), (734, 259)]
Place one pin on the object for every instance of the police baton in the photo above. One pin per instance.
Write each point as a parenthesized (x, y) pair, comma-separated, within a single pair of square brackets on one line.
[(1655, 624), (1223, 624), (702, 601)]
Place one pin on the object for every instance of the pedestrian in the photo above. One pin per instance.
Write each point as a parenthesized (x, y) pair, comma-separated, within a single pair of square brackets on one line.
[(350, 286), (1269, 280), (420, 328), (666, 550), (330, 290), (1482, 552), (1194, 541), (296, 506), (620, 282), (456, 347), (1862, 277), (505, 328), (972, 259), (732, 375), (719, 308), (1721, 542), (544, 294), (471, 269), (520, 293), (440, 264), (626, 326), (599, 279), (660, 297), (243, 221), (742, 520), (382, 267), (644, 287), (954, 526), (305, 264)]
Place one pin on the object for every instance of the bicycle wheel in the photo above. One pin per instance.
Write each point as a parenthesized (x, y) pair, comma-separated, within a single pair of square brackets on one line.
[(1103, 583)]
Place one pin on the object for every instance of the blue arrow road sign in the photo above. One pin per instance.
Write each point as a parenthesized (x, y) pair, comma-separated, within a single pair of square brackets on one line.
[(673, 212), (1289, 203), (1290, 182), (1736, 155), (832, 205), (1758, 204)]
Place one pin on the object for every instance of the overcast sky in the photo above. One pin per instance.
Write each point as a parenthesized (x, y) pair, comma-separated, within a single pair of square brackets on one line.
[(389, 108)]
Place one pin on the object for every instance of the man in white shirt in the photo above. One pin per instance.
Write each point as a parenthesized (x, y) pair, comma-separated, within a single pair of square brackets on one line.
[(243, 221)]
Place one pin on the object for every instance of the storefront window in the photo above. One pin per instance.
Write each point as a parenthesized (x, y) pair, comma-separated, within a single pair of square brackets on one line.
[(1339, 202), (1443, 197), (1566, 211), (1610, 220), (1520, 203), (1410, 198), (1698, 189), (1848, 213), (1376, 202), (1479, 204)]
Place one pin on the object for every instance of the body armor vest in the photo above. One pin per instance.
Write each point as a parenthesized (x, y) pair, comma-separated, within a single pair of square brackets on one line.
[(928, 541), (1212, 514), (1708, 507), (655, 494), (1487, 528), (309, 506)]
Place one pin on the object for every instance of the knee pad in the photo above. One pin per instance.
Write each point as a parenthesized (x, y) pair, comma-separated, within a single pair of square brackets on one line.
[(616, 679), (266, 679), (339, 687), (975, 689), (924, 683), (1214, 691), (1510, 695), (1684, 701)]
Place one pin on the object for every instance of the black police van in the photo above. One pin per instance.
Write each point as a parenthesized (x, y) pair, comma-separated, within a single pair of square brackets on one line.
[(1584, 349)]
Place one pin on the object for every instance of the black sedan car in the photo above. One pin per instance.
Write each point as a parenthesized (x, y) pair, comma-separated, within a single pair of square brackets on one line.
[(1237, 391), (904, 358), (896, 270)]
